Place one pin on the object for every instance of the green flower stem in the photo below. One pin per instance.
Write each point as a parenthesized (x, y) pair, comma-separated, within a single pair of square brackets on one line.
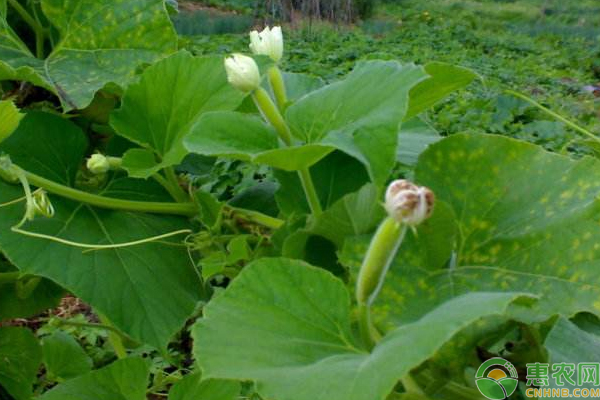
[(186, 209), (381, 252), (40, 36), (9, 277), (271, 113), (555, 115), (278, 85)]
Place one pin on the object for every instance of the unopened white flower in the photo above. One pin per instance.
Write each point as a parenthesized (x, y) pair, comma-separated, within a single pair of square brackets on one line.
[(268, 42), (42, 204), (242, 72), (98, 164), (408, 203)]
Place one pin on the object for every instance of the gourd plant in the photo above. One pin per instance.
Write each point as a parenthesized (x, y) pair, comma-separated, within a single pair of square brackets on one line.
[(308, 287)]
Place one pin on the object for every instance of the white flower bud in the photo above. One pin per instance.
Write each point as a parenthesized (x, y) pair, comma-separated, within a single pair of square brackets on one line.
[(98, 164), (269, 42), (42, 204), (408, 203), (242, 72)]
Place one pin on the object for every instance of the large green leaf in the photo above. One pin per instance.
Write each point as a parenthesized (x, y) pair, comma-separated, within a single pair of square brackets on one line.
[(101, 42), (567, 343), (159, 110), (527, 220), (193, 387), (10, 117), (122, 380), (148, 290), (248, 138), (359, 115), (286, 325), (443, 80), (63, 356), (20, 356)]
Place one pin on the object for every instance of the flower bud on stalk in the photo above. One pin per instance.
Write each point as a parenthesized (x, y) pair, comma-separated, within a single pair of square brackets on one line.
[(268, 42), (99, 164), (242, 72), (407, 205)]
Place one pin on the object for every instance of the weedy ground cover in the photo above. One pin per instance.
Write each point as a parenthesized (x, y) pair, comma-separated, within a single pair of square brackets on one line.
[(358, 213)]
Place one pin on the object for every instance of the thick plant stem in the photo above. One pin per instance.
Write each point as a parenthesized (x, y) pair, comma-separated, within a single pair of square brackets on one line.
[(186, 209), (555, 115), (33, 24), (381, 252), (278, 86), (271, 113)]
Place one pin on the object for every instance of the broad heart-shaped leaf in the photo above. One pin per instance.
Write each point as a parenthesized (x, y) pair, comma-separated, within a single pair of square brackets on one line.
[(193, 387), (443, 80), (124, 379), (159, 110), (527, 221), (359, 115), (21, 356), (148, 290), (101, 42), (10, 117), (286, 325), (63, 356), (246, 137)]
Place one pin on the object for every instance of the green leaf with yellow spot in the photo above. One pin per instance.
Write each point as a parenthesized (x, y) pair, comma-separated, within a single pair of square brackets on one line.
[(527, 221), (101, 42)]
